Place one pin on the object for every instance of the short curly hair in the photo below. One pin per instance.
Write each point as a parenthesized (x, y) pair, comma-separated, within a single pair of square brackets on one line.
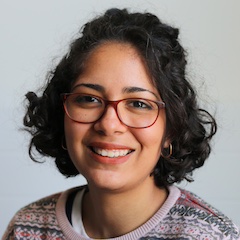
[(189, 128)]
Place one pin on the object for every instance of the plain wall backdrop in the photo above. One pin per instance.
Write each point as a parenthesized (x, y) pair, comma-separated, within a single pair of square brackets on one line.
[(35, 35)]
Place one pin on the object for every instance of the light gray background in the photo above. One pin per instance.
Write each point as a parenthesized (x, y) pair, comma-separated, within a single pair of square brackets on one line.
[(35, 34)]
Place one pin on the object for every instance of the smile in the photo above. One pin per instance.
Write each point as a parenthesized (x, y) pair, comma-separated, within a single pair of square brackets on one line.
[(113, 153)]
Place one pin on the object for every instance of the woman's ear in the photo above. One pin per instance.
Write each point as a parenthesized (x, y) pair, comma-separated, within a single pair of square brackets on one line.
[(167, 149), (166, 143)]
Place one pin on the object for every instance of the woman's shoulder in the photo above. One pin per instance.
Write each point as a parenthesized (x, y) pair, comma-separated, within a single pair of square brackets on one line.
[(38, 218), (190, 204), (196, 215)]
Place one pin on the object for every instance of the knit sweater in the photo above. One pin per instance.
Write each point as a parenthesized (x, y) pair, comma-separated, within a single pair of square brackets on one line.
[(183, 216)]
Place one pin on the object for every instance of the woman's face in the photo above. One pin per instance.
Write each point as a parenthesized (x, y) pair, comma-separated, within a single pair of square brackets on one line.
[(115, 71)]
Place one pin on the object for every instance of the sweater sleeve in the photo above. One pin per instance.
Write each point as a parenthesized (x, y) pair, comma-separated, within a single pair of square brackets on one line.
[(35, 221), (9, 233)]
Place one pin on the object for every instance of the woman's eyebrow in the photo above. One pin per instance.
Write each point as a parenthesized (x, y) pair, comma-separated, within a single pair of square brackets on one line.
[(137, 89), (100, 88), (96, 87)]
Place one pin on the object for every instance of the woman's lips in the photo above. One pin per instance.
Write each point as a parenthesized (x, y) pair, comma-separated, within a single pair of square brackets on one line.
[(110, 153)]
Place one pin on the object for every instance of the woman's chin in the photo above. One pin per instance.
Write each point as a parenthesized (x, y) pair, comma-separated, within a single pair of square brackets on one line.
[(106, 181)]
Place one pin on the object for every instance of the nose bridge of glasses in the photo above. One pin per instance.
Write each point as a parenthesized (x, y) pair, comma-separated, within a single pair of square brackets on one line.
[(112, 104)]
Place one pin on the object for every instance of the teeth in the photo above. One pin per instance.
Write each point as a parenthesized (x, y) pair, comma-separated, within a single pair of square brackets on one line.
[(111, 153)]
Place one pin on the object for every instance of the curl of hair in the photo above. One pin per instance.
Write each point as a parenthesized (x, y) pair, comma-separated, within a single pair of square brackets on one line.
[(189, 128)]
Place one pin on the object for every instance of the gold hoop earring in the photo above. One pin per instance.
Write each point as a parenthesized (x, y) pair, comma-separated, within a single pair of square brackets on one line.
[(170, 152), (64, 147)]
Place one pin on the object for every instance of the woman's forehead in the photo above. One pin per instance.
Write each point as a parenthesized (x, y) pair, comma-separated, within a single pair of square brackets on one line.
[(116, 65)]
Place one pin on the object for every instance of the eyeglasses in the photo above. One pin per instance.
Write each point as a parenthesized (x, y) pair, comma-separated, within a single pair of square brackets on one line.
[(133, 112)]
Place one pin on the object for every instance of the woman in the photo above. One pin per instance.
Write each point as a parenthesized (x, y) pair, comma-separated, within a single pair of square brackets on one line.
[(119, 110)]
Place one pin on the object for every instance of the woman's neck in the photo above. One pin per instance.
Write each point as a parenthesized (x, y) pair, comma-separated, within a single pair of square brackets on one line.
[(109, 214)]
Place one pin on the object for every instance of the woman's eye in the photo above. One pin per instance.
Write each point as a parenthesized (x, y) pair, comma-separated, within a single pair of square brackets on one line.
[(139, 104), (86, 99)]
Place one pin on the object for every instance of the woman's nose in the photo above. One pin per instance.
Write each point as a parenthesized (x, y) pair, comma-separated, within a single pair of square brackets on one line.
[(109, 123)]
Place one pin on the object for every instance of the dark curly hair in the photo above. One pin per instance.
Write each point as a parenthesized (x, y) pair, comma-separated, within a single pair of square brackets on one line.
[(189, 128)]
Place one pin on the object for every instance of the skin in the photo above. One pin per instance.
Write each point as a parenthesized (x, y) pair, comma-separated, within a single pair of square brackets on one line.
[(119, 188)]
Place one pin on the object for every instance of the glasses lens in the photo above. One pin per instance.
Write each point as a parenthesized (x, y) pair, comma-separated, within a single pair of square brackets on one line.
[(84, 108), (138, 113)]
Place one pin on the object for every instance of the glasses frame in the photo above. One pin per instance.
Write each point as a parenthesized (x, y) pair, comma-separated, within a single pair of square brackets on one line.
[(114, 104)]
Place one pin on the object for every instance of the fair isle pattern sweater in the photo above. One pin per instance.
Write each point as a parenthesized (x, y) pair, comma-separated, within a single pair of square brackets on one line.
[(183, 216)]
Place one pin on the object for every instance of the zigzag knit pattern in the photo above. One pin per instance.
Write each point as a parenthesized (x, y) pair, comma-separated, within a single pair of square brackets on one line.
[(188, 218), (36, 221), (193, 218)]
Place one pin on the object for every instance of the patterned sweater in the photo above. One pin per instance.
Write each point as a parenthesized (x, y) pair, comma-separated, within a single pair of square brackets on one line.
[(183, 216)]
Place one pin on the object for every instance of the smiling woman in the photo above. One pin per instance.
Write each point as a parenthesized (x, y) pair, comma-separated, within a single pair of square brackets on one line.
[(135, 133), (119, 110)]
